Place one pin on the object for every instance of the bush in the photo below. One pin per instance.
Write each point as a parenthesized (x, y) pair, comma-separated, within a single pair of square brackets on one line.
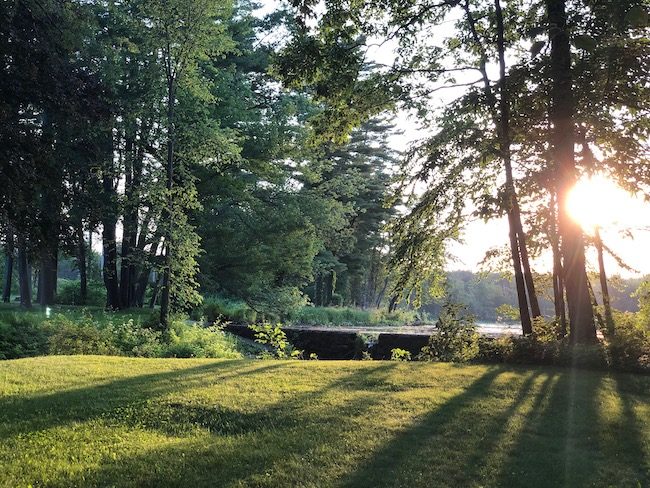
[(214, 309), (69, 293), (398, 354), (84, 337), (187, 340), (629, 348), (351, 316), (455, 340), (21, 336), (134, 339), (274, 337)]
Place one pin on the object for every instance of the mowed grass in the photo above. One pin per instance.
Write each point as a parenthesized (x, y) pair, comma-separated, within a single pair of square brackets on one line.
[(106, 421)]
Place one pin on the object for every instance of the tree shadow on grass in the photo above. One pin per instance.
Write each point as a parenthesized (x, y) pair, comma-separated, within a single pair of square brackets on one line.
[(636, 453), (26, 415), (571, 440), (243, 448), (447, 445)]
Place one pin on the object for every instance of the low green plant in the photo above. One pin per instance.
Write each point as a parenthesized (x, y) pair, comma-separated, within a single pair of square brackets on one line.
[(274, 337), (68, 337), (189, 340), (398, 354), (69, 293), (629, 347), (455, 339), (21, 335), (214, 309), (349, 316)]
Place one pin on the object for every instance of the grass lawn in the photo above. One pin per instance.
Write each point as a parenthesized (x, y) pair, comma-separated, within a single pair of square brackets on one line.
[(107, 421)]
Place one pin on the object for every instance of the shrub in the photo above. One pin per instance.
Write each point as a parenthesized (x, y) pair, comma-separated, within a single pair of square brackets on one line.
[(214, 309), (69, 293), (21, 336), (134, 339), (351, 316), (455, 340), (398, 354), (274, 337), (83, 337), (187, 340), (629, 347)]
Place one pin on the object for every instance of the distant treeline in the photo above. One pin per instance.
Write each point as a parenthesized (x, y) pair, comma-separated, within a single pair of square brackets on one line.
[(483, 294)]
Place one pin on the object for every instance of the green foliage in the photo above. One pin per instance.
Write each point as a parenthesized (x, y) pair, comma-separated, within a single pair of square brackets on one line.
[(69, 293), (274, 337), (68, 336), (455, 339), (188, 340), (134, 339), (25, 334), (398, 354), (629, 348), (351, 316), (215, 308), (21, 336)]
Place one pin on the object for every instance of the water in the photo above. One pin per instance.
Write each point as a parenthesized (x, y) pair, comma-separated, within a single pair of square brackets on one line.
[(492, 329)]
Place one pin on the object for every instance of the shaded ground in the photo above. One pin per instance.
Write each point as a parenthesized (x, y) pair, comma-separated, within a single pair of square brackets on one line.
[(102, 421)]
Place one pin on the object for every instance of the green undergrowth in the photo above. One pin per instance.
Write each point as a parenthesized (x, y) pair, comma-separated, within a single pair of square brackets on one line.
[(351, 316), (127, 333)]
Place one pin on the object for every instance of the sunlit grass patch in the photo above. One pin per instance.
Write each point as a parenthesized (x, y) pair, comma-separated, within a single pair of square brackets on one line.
[(105, 421)]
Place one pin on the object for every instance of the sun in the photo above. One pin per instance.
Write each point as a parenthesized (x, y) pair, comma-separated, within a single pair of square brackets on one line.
[(597, 202)]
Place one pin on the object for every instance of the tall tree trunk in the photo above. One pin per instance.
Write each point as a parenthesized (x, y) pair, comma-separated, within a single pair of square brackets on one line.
[(81, 264), (501, 117), (318, 289), (155, 292), (169, 247), (609, 319), (24, 274), (9, 266), (392, 305), (109, 269), (109, 224), (48, 273), (517, 240), (558, 273), (127, 228), (561, 113)]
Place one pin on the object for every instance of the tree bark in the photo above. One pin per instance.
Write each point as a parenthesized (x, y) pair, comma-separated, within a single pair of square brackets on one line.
[(501, 117), (169, 248), (24, 275), (609, 319), (48, 273), (558, 272), (81, 264), (9, 267), (525, 286), (561, 114)]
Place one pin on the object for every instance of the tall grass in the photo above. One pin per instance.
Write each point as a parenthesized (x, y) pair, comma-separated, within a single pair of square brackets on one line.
[(215, 308), (351, 316)]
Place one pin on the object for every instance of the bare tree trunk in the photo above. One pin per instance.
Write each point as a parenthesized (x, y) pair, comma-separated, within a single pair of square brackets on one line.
[(561, 113), (81, 264), (48, 273), (517, 243), (501, 116), (169, 248), (558, 273), (609, 319), (24, 274), (9, 266)]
